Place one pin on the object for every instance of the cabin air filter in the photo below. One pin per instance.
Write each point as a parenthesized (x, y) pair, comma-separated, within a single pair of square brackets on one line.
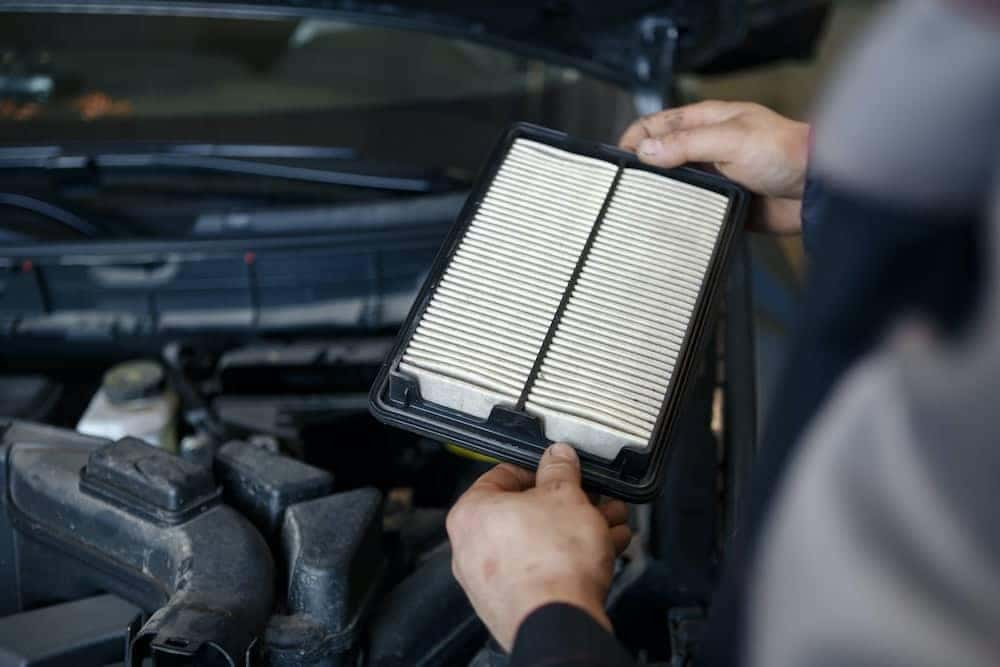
[(567, 304)]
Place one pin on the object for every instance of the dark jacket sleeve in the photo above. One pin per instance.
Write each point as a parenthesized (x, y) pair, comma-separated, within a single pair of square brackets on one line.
[(561, 635), (812, 213)]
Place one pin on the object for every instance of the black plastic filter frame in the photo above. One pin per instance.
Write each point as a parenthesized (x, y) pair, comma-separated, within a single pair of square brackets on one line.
[(510, 433)]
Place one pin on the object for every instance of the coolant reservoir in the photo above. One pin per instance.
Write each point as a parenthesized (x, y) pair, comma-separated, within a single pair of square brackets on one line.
[(133, 400)]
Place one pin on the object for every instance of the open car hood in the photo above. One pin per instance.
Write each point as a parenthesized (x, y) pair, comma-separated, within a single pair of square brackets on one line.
[(639, 43)]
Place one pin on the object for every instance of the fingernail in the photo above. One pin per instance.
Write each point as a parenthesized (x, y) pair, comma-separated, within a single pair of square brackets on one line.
[(561, 450), (649, 147)]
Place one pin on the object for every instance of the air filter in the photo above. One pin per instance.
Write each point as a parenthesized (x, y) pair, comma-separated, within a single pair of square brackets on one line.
[(567, 304)]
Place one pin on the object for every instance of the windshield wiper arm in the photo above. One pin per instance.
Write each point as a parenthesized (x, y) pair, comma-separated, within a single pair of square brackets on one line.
[(267, 170), (227, 160), (264, 151), (45, 209), (434, 209)]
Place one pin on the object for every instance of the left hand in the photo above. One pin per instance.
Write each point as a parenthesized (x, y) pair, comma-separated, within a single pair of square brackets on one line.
[(521, 540), (750, 144)]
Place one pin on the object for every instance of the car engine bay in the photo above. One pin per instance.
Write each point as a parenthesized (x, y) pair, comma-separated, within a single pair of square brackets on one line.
[(263, 517), (192, 475), (272, 530)]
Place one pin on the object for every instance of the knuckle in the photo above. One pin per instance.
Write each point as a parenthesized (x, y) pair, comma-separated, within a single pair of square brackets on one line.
[(679, 146), (565, 491), (633, 134), (559, 472), (457, 520), (674, 120), (712, 105), (608, 556), (556, 486)]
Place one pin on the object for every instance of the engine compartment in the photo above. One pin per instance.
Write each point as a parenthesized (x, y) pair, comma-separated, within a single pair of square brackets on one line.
[(285, 526), (279, 474)]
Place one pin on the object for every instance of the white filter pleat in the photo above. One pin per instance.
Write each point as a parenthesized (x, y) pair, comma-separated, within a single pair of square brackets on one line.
[(605, 376), (481, 333)]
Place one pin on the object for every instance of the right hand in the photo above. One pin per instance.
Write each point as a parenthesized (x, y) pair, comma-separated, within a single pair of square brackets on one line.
[(748, 143), (522, 540)]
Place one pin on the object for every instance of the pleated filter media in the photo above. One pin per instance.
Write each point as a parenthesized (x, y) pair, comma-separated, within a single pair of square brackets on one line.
[(569, 296)]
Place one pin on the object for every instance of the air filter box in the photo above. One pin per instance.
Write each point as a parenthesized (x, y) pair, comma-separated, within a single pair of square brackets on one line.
[(568, 304)]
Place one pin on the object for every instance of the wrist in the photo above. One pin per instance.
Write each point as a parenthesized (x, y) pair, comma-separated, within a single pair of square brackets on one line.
[(797, 149), (776, 215)]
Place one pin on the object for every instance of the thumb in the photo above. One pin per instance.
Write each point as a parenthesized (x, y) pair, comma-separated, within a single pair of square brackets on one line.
[(559, 466), (710, 143)]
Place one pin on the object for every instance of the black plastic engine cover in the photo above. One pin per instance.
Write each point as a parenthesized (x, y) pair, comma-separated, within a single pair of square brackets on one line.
[(155, 533), (264, 484), (333, 550)]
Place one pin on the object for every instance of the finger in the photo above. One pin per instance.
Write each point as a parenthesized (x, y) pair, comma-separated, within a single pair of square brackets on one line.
[(712, 143), (681, 118), (614, 511), (689, 116), (503, 478), (621, 536), (560, 466)]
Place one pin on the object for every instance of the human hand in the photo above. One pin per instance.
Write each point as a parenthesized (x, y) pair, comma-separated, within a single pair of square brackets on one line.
[(748, 143), (521, 540)]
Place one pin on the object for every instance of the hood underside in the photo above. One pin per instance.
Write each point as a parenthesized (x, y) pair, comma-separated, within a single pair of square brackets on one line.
[(632, 42)]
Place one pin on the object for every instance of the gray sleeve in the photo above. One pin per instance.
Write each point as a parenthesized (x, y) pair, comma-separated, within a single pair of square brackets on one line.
[(884, 545), (912, 117)]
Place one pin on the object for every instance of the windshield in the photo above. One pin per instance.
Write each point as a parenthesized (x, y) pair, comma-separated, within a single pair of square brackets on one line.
[(168, 174), (409, 97)]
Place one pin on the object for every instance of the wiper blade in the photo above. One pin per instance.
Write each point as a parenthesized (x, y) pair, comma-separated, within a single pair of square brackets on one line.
[(439, 209), (264, 151), (36, 155), (246, 160), (57, 214), (267, 170)]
